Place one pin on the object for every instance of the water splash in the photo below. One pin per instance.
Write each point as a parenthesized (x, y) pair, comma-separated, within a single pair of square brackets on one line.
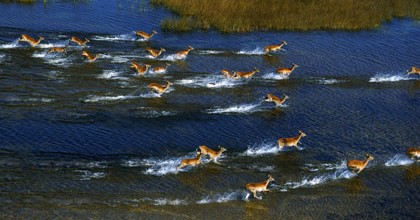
[(165, 201), (112, 74), (274, 76), (238, 109), (209, 82), (121, 37), (225, 197), (399, 160), (261, 149), (204, 52), (13, 44), (389, 78), (256, 51), (161, 167), (94, 98), (88, 175), (57, 44)]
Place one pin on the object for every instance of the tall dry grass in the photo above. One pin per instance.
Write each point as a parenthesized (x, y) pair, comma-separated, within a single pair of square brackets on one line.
[(249, 15)]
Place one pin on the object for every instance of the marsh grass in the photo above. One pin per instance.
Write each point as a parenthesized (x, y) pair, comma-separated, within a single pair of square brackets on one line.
[(250, 15)]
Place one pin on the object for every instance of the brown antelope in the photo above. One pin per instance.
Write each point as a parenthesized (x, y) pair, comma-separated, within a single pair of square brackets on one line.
[(359, 165), (259, 187), (90, 57), (213, 154), (414, 70), (226, 73), (57, 50), (191, 162), (79, 41), (413, 153), (274, 47), (159, 88), (245, 75), (141, 70), (272, 98), (286, 71), (290, 142), (183, 53), (154, 53), (145, 35), (30, 40), (161, 69)]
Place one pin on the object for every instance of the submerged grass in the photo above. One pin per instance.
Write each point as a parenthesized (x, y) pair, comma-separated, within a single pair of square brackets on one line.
[(250, 15)]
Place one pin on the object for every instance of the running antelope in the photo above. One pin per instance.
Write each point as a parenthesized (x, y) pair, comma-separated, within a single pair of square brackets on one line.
[(154, 53), (413, 153), (226, 73), (414, 70), (359, 165), (160, 88), (245, 75), (90, 57), (290, 142), (274, 47), (79, 41), (57, 50), (145, 35), (213, 154), (259, 187), (161, 69), (141, 70), (191, 162), (183, 53), (272, 98), (30, 40), (286, 71)]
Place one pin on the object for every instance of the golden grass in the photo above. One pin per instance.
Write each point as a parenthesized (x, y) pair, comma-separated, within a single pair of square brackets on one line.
[(250, 15)]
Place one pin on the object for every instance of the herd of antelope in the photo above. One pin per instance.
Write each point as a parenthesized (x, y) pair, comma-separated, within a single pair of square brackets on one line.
[(355, 166)]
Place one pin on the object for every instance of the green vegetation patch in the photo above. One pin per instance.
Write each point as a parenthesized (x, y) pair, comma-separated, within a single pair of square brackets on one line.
[(251, 15)]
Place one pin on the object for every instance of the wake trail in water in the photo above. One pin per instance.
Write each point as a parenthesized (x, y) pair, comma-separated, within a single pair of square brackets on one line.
[(225, 197), (274, 76), (239, 109), (120, 37), (378, 78), (256, 51), (13, 44), (399, 160), (209, 82)]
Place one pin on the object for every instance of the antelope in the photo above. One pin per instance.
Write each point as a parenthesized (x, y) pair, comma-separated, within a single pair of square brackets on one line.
[(274, 47), (30, 40), (191, 162), (286, 71), (90, 57), (213, 154), (57, 50), (79, 41), (161, 69), (183, 53), (272, 98), (141, 70), (160, 88), (414, 70), (245, 75), (359, 165), (413, 153), (259, 187), (154, 53), (145, 35), (290, 142), (226, 73)]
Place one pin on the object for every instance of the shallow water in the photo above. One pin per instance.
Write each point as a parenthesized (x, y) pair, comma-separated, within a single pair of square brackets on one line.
[(89, 140)]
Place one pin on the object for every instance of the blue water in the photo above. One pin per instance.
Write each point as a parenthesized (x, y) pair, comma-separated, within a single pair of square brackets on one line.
[(89, 140)]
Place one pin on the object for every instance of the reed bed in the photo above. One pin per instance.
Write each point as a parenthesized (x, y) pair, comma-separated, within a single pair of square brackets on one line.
[(250, 15)]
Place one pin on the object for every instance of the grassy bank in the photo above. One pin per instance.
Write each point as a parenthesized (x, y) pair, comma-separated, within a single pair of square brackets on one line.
[(250, 15)]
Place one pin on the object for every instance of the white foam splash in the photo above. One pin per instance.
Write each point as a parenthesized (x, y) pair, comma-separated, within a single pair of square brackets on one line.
[(225, 197), (112, 74), (275, 76), (18, 99), (210, 52), (120, 37), (209, 82), (399, 160), (88, 175), (261, 149), (57, 44), (240, 109), (172, 57), (323, 81), (342, 173), (94, 98), (256, 51), (165, 201), (326, 166), (389, 78), (13, 44), (161, 167)]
